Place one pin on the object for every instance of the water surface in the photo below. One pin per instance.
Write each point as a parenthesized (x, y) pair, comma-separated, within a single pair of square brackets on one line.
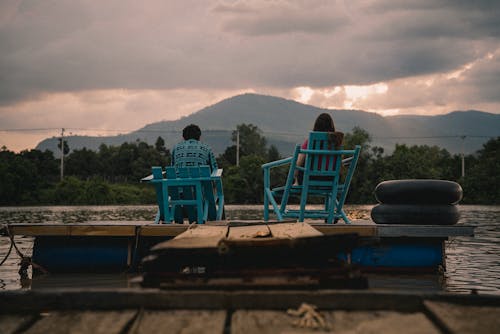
[(473, 263)]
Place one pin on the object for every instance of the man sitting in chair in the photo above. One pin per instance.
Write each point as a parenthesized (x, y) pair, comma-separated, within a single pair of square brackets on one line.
[(192, 152)]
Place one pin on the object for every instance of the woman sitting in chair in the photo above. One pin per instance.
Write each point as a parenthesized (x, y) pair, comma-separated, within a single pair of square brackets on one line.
[(323, 123)]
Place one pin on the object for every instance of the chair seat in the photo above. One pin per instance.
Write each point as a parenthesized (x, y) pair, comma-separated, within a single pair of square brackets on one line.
[(297, 190)]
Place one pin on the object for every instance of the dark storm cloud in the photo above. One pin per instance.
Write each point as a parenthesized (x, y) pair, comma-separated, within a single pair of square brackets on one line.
[(483, 81), (437, 18), (59, 46)]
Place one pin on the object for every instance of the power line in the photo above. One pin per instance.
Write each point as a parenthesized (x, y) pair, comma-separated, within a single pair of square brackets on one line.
[(430, 137), (30, 130), (212, 131)]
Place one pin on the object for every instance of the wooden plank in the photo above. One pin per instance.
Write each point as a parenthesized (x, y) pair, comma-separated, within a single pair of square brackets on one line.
[(387, 322), (96, 230), (160, 230), (431, 231), (39, 229), (361, 230), (100, 299), (95, 322), (246, 222), (249, 232), (106, 228), (127, 228), (12, 323), (198, 236), (180, 321), (293, 230), (115, 222), (456, 318)]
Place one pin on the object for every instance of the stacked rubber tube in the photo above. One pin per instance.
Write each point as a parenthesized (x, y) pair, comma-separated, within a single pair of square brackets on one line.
[(421, 202)]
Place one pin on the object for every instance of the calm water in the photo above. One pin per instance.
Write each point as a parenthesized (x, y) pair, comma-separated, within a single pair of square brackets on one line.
[(473, 263)]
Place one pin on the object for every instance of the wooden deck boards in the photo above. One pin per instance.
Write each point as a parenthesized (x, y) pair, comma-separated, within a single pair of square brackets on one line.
[(95, 322), (293, 230), (180, 321), (249, 311), (362, 228), (249, 232), (465, 318), (11, 323), (387, 322), (198, 236)]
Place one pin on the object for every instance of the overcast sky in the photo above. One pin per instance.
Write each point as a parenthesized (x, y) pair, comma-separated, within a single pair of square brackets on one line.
[(121, 64)]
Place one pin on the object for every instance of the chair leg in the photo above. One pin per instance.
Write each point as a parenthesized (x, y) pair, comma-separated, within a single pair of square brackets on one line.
[(199, 204), (266, 207), (303, 198), (344, 217), (271, 199)]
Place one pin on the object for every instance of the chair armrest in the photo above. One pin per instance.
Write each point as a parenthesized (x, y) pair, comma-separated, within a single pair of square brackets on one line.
[(150, 177), (277, 163), (147, 178), (217, 173), (347, 161)]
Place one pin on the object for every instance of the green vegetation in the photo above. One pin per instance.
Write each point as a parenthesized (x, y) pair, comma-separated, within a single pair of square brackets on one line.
[(111, 175)]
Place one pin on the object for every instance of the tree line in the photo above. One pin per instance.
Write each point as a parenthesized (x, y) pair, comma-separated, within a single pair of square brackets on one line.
[(111, 175)]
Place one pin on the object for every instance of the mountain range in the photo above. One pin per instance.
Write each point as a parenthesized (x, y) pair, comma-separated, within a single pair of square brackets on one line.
[(285, 122)]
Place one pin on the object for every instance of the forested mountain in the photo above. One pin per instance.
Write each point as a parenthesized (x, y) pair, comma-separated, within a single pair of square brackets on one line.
[(286, 122)]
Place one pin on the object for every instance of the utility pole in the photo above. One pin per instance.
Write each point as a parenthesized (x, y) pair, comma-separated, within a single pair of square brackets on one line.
[(62, 154), (237, 148), (463, 156)]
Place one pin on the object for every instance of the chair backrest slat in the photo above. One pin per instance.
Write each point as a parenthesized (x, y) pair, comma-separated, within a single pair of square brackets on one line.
[(323, 162)]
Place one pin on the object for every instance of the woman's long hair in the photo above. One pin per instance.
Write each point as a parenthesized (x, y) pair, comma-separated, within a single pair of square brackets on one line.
[(324, 123)]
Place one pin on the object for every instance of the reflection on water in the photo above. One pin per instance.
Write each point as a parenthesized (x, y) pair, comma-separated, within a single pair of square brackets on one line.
[(473, 263)]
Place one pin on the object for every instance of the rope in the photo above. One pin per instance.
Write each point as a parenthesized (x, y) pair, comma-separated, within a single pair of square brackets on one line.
[(26, 261), (7, 255), (133, 255)]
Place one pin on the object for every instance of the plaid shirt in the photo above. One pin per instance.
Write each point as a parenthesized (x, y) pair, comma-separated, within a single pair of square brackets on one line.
[(193, 153)]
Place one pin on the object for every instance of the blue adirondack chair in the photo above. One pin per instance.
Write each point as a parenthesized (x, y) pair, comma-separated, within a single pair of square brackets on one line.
[(321, 178), (191, 189)]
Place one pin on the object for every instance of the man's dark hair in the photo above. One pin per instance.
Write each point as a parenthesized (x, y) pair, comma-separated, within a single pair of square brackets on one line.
[(192, 131)]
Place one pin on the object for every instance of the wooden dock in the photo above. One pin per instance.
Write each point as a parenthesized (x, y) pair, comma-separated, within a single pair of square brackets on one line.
[(118, 246), (219, 311)]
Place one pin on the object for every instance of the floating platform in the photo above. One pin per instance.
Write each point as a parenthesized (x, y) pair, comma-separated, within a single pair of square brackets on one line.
[(251, 311), (119, 246)]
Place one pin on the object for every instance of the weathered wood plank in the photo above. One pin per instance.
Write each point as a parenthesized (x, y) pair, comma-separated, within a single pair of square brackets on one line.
[(95, 322), (458, 318), (386, 322), (361, 230), (96, 230), (38, 229), (127, 228), (11, 323), (180, 321), (431, 231), (249, 232), (293, 230), (113, 228), (234, 223), (29, 301), (115, 222), (161, 230), (198, 236)]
